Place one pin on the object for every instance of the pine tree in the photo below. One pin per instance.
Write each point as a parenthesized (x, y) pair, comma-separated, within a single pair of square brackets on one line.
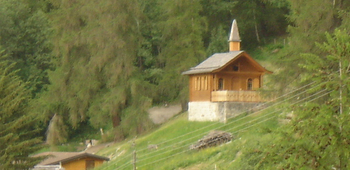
[(218, 41), (259, 21), (18, 129), (318, 135), (181, 46), (96, 79), (309, 20), (25, 32)]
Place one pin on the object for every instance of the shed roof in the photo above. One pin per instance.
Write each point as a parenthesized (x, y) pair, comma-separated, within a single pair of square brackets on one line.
[(220, 60), (63, 157)]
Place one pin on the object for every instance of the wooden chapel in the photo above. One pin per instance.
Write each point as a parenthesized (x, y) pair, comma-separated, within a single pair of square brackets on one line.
[(233, 76)]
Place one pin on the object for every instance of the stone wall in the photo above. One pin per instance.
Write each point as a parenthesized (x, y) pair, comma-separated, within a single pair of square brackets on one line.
[(219, 111), (203, 111)]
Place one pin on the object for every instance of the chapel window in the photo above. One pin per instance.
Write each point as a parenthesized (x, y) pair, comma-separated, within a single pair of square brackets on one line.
[(235, 68), (250, 84), (221, 84), (197, 83)]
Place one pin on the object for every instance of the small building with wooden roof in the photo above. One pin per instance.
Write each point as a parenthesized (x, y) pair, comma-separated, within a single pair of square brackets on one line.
[(225, 83), (69, 161)]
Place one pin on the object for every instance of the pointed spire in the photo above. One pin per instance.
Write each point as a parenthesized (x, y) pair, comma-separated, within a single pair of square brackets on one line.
[(234, 35), (234, 39)]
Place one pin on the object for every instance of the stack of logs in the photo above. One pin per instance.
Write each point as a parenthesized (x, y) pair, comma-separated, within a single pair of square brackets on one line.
[(214, 138)]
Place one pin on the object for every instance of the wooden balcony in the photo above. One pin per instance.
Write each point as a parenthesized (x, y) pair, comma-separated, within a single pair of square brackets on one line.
[(235, 96)]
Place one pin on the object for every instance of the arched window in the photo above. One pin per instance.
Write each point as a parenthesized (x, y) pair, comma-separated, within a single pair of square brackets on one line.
[(250, 84), (221, 84)]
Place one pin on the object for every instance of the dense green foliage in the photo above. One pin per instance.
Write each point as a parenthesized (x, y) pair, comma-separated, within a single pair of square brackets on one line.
[(88, 64), (117, 58), (18, 129), (309, 21), (315, 136), (25, 37), (318, 52), (318, 135)]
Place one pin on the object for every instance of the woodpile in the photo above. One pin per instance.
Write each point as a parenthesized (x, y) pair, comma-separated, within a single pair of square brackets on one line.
[(214, 138), (152, 147)]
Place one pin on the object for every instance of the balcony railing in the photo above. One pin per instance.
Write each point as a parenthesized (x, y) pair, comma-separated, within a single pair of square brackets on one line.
[(235, 96)]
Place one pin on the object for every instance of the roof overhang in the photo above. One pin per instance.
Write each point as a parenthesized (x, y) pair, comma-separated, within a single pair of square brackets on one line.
[(219, 61), (55, 158)]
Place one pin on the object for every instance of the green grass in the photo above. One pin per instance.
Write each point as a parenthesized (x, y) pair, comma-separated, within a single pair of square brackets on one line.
[(175, 137), (69, 147)]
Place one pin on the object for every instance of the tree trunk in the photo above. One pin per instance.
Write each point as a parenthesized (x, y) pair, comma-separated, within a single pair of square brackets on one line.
[(256, 28), (116, 116)]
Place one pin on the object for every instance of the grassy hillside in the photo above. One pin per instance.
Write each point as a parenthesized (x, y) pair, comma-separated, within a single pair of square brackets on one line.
[(174, 138)]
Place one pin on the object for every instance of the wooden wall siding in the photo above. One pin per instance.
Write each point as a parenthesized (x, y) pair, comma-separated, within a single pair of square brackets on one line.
[(200, 87), (234, 46), (77, 164), (243, 64), (80, 164), (236, 96), (237, 82), (235, 77), (98, 163)]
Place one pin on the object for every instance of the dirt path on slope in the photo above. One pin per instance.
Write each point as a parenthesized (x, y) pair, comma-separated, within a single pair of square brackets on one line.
[(158, 115), (98, 147), (161, 114)]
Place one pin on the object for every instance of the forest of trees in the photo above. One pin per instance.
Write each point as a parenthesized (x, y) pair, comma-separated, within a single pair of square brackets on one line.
[(102, 64)]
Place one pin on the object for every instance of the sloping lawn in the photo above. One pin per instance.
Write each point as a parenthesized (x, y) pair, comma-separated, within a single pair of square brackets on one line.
[(168, 146)]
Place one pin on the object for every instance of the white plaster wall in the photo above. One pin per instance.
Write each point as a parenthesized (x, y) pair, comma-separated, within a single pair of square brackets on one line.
[(203, 111)]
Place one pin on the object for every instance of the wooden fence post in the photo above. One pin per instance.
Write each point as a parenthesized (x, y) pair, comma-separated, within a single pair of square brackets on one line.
[(134, 154)]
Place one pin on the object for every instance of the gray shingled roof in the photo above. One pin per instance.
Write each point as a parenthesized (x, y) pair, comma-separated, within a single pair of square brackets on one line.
[(214, 62), (57, 157)]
